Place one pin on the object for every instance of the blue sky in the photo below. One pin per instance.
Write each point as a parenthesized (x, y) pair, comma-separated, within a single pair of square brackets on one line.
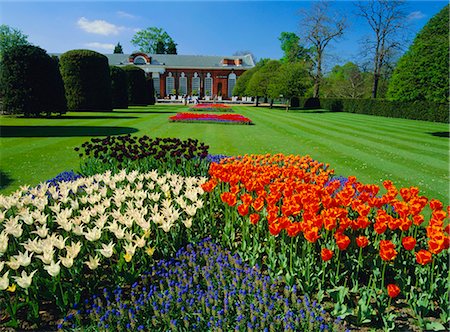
[(201, 27)]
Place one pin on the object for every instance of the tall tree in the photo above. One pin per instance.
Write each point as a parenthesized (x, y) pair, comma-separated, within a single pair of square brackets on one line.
[(319, 27), (422, 72), (293, 50), (160, 47), (259, 83), (11, 37), (149, 40), (387, 19), (118, 49), (347, 81), (171, 47)]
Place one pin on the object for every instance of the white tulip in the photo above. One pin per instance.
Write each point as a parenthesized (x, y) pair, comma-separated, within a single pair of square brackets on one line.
[(3, 242), (140, 241), (53, 269), (42, 231), (190, 210), (2, 264), (93, 262), (24, 259), (55, 208), (47, 255), (13, 263), (107, 249), (93, 234), (78, 230), (4, 281), (130, 248), (25, 280), (33, 245), (181, 202), (119, 233), (73, 249), (13, 227), (187, 222), (66, 261), (166, 226)]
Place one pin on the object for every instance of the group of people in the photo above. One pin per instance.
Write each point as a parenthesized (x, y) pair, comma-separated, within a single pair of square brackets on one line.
[(190, 99)]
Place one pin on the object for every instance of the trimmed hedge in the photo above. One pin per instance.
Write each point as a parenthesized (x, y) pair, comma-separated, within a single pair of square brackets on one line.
[(137, 86), (87, 80), (418, 110), (150, 91), (119, 87), (31, 83)]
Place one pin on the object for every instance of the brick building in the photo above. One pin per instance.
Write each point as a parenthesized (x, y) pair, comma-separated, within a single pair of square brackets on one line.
[(188, 74)]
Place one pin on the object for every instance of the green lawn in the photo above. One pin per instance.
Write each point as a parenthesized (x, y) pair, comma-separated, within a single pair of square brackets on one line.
[(410, 153)]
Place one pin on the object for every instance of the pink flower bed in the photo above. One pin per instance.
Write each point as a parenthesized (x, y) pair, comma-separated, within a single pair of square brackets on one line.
[(218, 118)]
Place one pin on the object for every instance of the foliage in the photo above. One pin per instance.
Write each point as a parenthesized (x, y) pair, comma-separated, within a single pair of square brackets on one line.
[(11, 37), (288, 212), (258, 84), (57, 242), (87, 80), (119, 87), (423, 71), (211, 118), (143, 154), (31, 82), (242, 82), (203, 288), (291, 80), (347, 81), (137, 86), (118, 49), (293, 51), (154, 40), (150, 91), (419, 110)]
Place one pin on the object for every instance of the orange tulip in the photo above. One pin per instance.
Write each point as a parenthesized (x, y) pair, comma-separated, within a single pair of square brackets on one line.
[(435, 204), (342, 241), (362, 241), (387, 250), (326, 254), (258, 203), (409, 242), (423, 257), (242, 209), (254, 218), (393, 290)]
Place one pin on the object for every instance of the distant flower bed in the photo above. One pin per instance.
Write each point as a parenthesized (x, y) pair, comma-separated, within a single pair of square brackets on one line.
[(222, 118), (211, 108)]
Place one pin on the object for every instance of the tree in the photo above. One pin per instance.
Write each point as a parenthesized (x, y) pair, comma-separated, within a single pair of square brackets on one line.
[(171, 47), (119, 87), (118, 49), (87, 80), (259, 83), (31, 82), (137, 86), (347, 81), (10, 37), (422, 72), (291, 80), (150, 40), (387, 19), (293, 51), (319, 28)]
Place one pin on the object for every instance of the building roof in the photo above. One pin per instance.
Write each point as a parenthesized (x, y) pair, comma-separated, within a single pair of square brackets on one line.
[(186, 61)]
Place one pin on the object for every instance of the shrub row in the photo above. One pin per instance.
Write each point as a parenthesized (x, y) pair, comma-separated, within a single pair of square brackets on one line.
[(418, 110)]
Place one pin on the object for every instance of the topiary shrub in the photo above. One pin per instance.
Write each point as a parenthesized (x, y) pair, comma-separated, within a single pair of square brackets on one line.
[(312, 103), (119, 87), (150, 90), (87, 80), (137, 92), (31, 82)]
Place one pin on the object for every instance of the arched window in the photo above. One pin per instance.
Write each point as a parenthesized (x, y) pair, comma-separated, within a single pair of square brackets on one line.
[(208, 85), (231, 84), (182, 85), (155, 77), (196, 84), (170, 84), (139, 60)]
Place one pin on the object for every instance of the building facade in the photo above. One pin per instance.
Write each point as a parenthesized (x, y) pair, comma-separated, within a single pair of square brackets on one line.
[(188, 74)]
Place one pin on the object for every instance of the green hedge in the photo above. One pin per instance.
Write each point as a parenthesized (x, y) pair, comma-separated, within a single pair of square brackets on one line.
[(30, 82), (418, 110), (87, 80), (137, 86), (119, 87), (150, 91)]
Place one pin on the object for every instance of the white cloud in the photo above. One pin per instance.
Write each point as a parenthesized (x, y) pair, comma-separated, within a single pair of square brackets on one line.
[(123, 14), (101, 46), (99, 27), (417, 15)]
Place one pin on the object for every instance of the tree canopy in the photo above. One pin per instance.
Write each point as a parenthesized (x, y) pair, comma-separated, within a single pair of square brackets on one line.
[(118, 49), (293, 50), (155, 41), (11, 37), (259, 83), (423, 71), (347, 81)]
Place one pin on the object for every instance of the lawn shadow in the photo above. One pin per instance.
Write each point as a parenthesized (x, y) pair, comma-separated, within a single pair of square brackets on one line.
[(441, 134), (84, 117), (5, 180), (63, 131)]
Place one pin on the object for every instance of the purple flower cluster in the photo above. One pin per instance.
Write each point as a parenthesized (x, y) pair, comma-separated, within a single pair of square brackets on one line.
[(203, 288), (127, 147), (343, 181), (66, 176), (216, 158)]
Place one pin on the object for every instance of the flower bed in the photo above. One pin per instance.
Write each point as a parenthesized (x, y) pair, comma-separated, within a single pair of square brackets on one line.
[(217, 118), (211, 108)]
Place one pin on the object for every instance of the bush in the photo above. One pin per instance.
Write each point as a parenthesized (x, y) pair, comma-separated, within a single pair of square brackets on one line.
[(119, 88), (150, 91), (87, 80), (418, 110), (31, 82), (137, 92)]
